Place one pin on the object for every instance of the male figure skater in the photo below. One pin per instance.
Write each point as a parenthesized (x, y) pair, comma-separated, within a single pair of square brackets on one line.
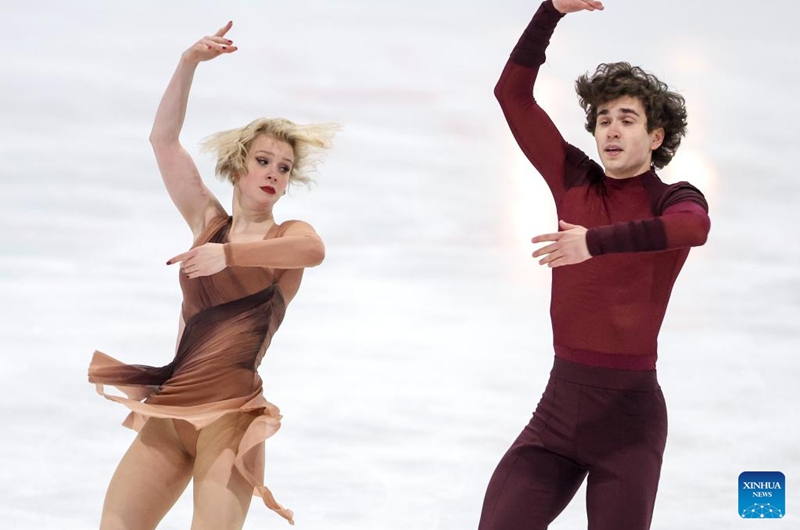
[(624, 236)]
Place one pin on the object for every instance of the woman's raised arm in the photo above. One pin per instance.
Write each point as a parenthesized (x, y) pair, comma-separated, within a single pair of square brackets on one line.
[(186, 189)]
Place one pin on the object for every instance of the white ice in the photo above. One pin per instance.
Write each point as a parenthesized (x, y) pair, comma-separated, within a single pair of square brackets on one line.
[(415, 354)]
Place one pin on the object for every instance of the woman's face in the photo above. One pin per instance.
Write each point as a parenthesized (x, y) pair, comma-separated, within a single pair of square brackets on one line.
[(269, 163)]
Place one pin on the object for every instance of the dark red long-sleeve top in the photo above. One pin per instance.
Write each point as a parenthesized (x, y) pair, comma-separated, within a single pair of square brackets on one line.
[(606, 311)]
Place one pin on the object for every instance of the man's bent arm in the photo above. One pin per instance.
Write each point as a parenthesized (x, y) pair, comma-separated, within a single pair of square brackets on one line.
[(684, 224)]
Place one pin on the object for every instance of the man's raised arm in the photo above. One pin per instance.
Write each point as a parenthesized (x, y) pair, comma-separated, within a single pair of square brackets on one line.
[(535, 133)]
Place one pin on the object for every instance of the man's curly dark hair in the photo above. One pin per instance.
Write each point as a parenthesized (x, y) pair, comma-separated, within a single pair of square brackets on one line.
[(663, 108)]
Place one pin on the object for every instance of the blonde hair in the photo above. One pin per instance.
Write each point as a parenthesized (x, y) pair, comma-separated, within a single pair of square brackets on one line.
[(307, 142)]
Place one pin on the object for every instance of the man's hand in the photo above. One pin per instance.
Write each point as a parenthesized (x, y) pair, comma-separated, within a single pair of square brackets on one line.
[(204, 260), (571, 6), (569, 246)]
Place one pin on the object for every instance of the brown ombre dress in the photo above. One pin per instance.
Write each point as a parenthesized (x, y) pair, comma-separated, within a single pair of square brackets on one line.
[(230, 318)]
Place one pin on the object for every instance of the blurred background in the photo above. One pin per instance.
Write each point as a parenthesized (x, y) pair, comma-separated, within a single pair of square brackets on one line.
[(414, 355)]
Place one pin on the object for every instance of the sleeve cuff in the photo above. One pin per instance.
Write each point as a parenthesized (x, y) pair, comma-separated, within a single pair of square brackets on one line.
[(593, 242), (229, 261), (530, 48)]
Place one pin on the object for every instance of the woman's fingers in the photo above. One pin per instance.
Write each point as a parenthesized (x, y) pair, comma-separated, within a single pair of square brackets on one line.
[(208, 48), (211, 44), (224, 29), (196, 272), (180, 257), (219, 40), (191, 267)]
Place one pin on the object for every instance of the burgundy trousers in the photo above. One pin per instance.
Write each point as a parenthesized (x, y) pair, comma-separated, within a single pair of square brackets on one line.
[(609, 425)]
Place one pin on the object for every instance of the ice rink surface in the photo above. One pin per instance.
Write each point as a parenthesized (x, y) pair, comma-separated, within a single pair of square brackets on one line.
[(415, 354)]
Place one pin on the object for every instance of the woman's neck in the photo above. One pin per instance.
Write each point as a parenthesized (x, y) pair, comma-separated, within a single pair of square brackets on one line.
[(250, 219)]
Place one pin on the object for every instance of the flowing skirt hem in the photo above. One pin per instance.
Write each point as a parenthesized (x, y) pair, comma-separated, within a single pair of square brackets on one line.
[(249, 458)]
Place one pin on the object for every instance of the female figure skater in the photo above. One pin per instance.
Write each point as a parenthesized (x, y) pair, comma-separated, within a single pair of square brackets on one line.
[(203, 416)]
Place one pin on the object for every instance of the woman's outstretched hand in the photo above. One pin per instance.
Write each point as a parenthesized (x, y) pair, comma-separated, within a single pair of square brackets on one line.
[(571, 6), (204, 260), (210, 47)]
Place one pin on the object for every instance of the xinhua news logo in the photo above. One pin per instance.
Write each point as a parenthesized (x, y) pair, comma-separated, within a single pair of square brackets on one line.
[(762, 495)]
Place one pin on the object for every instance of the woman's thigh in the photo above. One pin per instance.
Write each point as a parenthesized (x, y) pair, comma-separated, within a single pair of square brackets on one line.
[(149, 479), (221, 494)]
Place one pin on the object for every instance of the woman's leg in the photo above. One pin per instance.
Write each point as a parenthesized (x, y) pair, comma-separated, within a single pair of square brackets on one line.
[(221, 494), (149, 479)]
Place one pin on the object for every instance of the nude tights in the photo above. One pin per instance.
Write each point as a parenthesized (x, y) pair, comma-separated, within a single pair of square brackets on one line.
[(161, 461)]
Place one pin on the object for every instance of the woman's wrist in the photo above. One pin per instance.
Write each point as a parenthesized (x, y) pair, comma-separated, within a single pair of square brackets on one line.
[(186, 59)]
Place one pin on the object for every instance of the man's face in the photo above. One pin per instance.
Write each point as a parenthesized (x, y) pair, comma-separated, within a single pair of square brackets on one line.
[(623, 143)]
